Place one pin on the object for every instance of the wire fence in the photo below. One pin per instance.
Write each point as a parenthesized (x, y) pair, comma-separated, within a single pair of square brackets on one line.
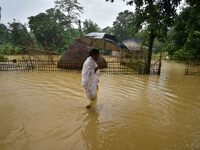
[(192, 66), (113, 66)]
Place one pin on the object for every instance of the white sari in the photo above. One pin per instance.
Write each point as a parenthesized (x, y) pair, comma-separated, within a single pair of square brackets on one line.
[(90, 79)]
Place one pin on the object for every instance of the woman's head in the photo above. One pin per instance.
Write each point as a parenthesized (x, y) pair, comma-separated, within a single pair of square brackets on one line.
[(94, 53)]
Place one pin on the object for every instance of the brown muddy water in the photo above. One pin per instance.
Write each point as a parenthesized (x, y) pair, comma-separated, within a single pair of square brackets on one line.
[(45, 111)]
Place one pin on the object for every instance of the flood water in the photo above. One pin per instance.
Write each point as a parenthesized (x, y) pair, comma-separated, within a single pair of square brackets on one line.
[(45, 111)]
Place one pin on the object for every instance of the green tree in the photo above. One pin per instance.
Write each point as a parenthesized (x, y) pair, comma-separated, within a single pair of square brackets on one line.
[(71, 7), (90, 26), (3, 58), (184, 38), (195, 4), (70, 35), (4, 34), (108, 30), (48, 28), (19, 34), (9, 49), (193, 28), (156, 17), (123, 25)]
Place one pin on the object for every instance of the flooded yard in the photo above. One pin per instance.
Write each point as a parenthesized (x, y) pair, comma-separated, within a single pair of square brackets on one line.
[(46, 111)]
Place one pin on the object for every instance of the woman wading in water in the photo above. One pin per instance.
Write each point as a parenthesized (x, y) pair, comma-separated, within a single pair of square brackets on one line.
[(90, 76)]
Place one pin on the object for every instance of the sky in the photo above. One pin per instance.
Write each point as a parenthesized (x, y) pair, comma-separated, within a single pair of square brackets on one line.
[(99, 11)]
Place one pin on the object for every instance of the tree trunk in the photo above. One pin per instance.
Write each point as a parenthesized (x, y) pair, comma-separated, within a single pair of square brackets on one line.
[(151, 40)]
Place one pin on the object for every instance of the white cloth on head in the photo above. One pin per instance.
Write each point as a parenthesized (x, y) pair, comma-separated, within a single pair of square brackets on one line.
[(90, 79)]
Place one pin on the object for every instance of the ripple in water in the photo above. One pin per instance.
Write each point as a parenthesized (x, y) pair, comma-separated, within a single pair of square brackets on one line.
[(45, 110)]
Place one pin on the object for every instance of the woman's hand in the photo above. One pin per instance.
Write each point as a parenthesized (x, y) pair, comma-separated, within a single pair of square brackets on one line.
[(97, 68)]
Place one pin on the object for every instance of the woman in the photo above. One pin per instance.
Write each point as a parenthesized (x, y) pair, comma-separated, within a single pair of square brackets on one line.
[(90, 76)]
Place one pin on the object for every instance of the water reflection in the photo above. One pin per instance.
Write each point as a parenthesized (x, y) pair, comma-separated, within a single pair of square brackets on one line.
[(90, 133)]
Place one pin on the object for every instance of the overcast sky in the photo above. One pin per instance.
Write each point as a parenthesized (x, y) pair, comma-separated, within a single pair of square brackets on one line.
[(101, 12)]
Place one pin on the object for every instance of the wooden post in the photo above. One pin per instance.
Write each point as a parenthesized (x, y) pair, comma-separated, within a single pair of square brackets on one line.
[(160, 63), (80, 30)]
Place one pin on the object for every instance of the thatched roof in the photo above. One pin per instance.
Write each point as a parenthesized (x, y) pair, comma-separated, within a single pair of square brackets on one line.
[(75, 56), (133, 44)]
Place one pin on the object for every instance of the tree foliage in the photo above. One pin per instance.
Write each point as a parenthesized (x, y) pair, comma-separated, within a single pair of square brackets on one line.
[(123, 27), (3, 58), (71, 7), (156, 17), (13, 37), (51, 30), (10, 49), (185, 37), (4, 34), (195, 4), (90, 26), (48, 28), (19, 34), (108, 30), (193, 28)]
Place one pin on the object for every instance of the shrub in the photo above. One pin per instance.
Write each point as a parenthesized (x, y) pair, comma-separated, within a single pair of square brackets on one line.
[(181, 54), (9, 49), (3, 58)]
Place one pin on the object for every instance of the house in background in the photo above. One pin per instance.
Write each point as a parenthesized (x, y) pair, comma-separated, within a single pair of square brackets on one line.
[(133, 44), (132, 48)]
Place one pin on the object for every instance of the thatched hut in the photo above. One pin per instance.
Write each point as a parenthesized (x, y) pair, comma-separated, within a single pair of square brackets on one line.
[(75, 56), (134, 49)]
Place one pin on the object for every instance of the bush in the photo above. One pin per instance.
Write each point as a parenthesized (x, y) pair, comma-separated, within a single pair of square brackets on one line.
[(3, 59), (9, 49), (170, 48), (181, 54)]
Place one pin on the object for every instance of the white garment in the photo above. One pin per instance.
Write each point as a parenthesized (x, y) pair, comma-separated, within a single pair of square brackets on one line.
[(90, 79)]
